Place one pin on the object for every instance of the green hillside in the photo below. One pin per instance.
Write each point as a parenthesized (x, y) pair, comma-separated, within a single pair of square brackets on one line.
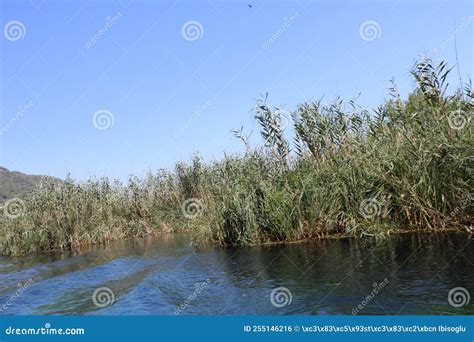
[(17, 184)]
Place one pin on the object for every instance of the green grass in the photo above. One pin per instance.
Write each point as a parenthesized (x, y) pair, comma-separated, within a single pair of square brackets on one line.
[(405, 165)]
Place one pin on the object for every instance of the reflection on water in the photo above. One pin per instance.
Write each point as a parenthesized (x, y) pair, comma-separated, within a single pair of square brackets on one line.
[(167, 275)]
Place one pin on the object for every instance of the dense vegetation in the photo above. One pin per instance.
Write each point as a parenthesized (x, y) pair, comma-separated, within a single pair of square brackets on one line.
[(407, 164)]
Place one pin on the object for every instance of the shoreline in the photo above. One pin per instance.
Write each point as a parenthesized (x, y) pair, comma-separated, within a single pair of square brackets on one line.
[(336, 236)]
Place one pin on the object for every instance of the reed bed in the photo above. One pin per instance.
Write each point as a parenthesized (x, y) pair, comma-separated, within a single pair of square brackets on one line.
[(407, 164)]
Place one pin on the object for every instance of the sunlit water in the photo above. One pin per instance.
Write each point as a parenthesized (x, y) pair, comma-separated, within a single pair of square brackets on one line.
[(166, 276)]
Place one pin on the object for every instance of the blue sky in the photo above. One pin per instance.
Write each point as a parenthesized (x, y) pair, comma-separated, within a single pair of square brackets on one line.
[(172, 92)]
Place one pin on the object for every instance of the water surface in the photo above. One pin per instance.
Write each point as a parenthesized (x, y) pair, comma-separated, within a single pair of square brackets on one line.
[(166, 275)]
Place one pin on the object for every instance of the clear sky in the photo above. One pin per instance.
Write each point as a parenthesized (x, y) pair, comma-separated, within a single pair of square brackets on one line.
[(175, 77)]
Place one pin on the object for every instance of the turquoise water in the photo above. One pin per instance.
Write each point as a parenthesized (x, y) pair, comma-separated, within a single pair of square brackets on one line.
[(167, 275)]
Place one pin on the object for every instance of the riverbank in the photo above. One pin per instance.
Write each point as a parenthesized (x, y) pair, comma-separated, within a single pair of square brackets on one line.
[(406, 165)]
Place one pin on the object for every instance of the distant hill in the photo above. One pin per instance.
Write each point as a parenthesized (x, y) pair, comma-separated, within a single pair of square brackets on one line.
[(17, 184)]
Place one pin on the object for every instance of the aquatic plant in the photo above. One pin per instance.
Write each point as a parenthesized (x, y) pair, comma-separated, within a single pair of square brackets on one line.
[(408, 164)]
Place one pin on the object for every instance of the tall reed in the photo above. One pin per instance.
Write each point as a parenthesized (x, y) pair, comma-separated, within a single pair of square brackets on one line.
[(407, 164)]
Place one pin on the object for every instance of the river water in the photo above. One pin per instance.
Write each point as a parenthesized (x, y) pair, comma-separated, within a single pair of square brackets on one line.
[(167, 275)]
